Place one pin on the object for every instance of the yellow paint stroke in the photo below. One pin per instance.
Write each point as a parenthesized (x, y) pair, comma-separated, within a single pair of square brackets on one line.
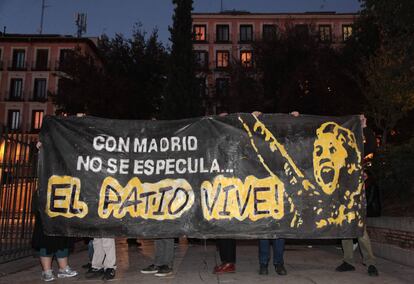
[(227, 198), (165, 200), (63, 197)]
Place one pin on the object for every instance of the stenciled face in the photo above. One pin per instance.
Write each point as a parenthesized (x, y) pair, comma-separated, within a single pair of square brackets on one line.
[(329, 157)]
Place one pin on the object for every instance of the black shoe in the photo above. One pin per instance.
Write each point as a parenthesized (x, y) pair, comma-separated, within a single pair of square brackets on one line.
[(263, 269), (150, 269), (280, 269), (164, 270), (372, 271), (87, 266), (109, 274), (94, 272), (345, 266)]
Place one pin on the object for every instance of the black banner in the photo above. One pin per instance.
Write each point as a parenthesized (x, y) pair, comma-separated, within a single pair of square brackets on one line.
[(212, 177)]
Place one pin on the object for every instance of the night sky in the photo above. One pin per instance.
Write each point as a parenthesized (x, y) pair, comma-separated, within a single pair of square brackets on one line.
[(119, 16)]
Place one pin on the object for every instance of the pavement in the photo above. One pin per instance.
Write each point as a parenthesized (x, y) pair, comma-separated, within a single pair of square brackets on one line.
[(306, 262)]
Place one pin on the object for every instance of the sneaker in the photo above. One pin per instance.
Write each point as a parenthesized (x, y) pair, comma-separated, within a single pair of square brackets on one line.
[(150, 269), (164, 270), (109, 274), (280, 269), (67, 272), (345, 266), (263, 269), (94, 273), (372, 270), (48, 276)]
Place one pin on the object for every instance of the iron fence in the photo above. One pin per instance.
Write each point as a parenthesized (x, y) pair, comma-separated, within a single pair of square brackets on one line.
[(18, 180)]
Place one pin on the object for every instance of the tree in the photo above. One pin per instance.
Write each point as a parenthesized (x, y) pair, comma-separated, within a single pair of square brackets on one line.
[(181, 97), (382, 52), (126, 83), (299, 72), (388, 88)]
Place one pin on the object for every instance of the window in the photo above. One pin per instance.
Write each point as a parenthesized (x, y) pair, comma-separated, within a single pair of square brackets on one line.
[(201, 87), (1, 61), (42, 59), (201, 59), (222, 58), (200, 32), (346, 32), (269, 32), (246, 58), (13, 119), (19, 57), (222, 87), (37, 119), (325, 33), (302, 29), (246, 33), (62, 56), (16, 89), (222, 33), (39, 89)]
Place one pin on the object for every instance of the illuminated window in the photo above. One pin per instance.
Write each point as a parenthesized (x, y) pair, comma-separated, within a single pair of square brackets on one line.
[(13, 119), (222, 57), (37, 119), (222, 33), (200, 32), (246, 33), (325, 33), (246, 58), (346, 32)]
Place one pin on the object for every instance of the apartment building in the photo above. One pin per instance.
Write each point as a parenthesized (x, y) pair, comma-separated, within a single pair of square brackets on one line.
[(29, 73), (220, 38)]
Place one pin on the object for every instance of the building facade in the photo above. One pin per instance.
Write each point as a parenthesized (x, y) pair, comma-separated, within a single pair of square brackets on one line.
[(222, 38), (30, 66)]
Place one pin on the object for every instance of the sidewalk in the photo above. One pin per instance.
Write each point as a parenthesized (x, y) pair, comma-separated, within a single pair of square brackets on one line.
[(194, 264)]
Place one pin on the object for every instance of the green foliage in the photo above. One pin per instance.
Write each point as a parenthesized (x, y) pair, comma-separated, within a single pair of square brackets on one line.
[(181, 97), (127, 81), (299, 72), (393, 171)]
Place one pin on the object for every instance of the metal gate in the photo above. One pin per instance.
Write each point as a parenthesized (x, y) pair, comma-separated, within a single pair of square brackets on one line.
[(18, 180)]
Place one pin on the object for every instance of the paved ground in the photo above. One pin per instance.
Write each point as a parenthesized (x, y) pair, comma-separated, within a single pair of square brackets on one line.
[(194, 264)]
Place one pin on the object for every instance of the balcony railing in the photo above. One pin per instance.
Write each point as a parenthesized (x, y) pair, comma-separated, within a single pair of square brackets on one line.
[(196, 39), (41, 66), (10, 97), (39, 98), (221, 40), (14, 66)]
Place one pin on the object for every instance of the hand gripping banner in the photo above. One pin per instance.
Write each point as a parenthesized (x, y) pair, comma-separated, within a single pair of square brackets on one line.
[(238, 176)]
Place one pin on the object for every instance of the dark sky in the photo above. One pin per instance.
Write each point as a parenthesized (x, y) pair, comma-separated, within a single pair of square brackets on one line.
[(118, 16)]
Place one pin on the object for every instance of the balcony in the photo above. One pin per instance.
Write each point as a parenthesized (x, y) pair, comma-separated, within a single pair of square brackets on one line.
[(39, 98), (18, 66), (40, 66), (10, 97), (199, 39), (246, 39), (221, 40)]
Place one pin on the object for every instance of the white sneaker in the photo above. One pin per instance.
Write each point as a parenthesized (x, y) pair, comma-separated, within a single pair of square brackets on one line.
[(67, 272), (48, 276)]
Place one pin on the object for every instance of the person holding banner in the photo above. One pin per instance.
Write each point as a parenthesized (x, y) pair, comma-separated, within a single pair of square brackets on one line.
[(364, 241), (164, 257), (103, 260), (50, 246)]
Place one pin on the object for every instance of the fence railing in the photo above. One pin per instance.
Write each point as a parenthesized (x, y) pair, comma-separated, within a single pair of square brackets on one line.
[(18, 180)]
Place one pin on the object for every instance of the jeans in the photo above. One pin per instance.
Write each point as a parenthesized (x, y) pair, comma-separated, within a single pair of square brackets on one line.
[(164, 252), (278, 250)]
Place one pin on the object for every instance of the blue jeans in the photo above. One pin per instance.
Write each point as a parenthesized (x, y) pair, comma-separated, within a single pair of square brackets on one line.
[(278, 249)]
